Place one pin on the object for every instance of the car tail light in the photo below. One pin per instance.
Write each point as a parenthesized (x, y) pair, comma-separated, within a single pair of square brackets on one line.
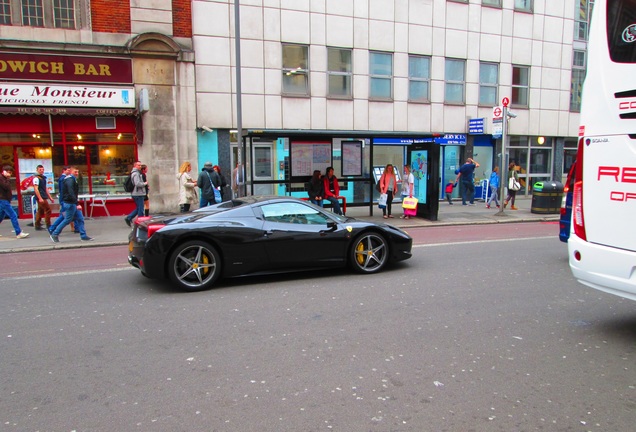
[(153, 228)]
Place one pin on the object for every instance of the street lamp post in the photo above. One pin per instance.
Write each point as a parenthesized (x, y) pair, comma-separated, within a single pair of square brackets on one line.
[(503, 168), (239, 98)]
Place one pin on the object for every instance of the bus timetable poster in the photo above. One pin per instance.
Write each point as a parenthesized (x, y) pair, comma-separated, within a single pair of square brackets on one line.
[(309, 156)]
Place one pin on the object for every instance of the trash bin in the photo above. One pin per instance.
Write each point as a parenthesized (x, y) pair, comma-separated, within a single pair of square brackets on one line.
[(547, 197)]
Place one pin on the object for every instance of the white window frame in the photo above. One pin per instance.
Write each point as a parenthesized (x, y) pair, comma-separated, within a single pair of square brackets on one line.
[(377, 77), (295, 71), (80, 14), (451, 82), (521, 87), (416, 80), (523, 5), (485, 85), (343, 76)]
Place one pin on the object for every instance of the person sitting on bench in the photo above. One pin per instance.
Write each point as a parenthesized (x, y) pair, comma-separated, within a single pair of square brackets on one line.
[(315, 189), (332, 190)]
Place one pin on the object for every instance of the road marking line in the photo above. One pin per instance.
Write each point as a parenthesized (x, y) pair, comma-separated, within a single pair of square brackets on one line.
[(482, 241), (83, 272)]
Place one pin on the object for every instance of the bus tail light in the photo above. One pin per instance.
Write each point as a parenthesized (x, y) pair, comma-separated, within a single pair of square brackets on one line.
[(578, 219)]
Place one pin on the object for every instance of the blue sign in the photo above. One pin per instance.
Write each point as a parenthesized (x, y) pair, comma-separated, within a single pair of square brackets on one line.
[(476, 126), (401, 141), (452, 139)]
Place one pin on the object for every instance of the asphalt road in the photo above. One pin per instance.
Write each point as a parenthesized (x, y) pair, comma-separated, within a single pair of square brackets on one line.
[(482, 334)]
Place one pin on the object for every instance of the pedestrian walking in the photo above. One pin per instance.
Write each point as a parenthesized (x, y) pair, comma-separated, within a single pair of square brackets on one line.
[(6, 195), (138, 193), (466, 177), (187, 188), (66, 170), (494, 188), (513, 186), (449, 192), (208, 181), (388, 186), (43, 196), (73, 209), (144, 171)]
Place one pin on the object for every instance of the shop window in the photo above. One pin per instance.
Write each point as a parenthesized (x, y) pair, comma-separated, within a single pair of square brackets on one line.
[(339, 73), (419, 78), (488, 83), (295, 70), (455, 77), (520, 85), (380, 76)]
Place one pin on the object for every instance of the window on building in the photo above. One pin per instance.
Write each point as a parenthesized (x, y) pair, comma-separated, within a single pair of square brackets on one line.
[(339, 72), (419, 78), (523, 5), (491, 3), (295, 70), (520, 85), (5, 12), (32, 13), (488, 83), (582, 19), (380, 76), (455, 72), (64, 14)]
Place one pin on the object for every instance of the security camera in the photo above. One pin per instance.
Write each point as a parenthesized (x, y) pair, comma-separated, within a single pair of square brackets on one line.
[(206, 129), (511, 114)]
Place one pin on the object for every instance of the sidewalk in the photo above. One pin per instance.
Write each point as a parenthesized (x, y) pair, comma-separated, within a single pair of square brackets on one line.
[(109, 231)]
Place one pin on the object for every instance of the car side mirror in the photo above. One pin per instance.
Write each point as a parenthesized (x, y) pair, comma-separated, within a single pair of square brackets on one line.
[(331, 226)]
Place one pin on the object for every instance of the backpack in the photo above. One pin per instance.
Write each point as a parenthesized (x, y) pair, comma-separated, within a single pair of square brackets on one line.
[(129, 186)]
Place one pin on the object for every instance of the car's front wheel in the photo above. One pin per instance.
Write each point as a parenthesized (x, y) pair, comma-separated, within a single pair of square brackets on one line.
[(369, 253), (194, 266)]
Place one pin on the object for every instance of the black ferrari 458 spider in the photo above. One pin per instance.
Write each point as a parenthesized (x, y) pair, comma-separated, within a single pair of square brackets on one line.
[(259, 235)]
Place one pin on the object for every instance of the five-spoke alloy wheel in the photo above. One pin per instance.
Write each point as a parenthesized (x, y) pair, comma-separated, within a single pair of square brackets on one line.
[(194, 266), (370, 253)]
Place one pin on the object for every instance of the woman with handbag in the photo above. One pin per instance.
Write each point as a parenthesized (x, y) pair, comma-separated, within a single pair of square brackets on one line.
[(187, 190), (513, 186), (388, 184)]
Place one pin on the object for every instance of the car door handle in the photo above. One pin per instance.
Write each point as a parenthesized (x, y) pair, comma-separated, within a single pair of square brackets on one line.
[(268, 233)]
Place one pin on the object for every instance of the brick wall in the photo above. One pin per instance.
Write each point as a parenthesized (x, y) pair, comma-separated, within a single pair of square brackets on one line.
[(110, 16), (182, 18)]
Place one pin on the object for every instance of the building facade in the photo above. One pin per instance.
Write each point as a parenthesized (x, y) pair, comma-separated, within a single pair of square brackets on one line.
[(97, 84), (426, 66)]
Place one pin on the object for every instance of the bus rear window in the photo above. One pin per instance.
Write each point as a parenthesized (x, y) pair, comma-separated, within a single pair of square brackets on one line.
[(621, 30)]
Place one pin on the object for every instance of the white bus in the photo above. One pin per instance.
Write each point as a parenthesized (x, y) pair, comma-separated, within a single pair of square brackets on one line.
[(602, 244)]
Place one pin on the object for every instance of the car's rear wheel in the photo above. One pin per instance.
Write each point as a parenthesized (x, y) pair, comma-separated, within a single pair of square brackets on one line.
[(369, 253), (194, 266)]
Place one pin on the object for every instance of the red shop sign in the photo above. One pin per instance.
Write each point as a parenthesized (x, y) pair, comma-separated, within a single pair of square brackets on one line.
[(66, 68)]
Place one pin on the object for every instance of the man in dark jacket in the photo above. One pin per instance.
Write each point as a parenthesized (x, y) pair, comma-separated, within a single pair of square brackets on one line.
[(5, 201), (72, 208), (208, 181)]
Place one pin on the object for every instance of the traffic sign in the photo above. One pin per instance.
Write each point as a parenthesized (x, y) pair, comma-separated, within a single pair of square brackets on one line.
[(505, 101), (497, 112)]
